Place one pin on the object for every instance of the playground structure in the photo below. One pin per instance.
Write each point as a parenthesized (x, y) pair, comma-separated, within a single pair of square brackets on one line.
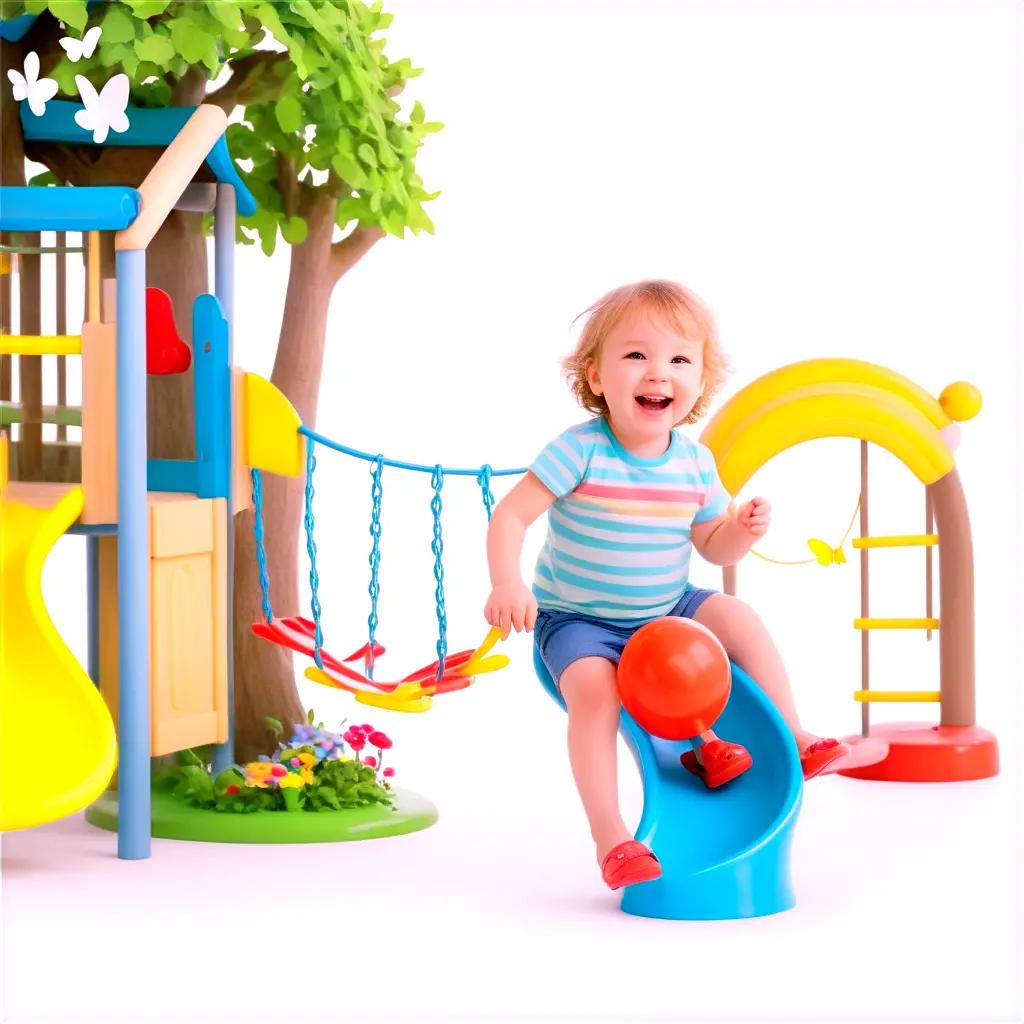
[(850, 398), (158, 531), (159, 536)]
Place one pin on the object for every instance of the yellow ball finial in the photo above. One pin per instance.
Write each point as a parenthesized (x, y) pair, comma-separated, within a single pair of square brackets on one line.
[(961, 401)]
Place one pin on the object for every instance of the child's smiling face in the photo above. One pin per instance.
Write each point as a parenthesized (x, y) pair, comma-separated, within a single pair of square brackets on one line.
[(650, 376)]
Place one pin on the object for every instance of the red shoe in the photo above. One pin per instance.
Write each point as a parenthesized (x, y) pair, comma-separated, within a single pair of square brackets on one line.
[(628, 864), (826, 756), (723, 762), (814, 759)]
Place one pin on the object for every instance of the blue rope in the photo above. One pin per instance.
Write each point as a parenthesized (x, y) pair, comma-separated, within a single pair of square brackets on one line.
[(437, 546), (261, 553), (376, 493), (314, 578), (395, 464), (483, 478)]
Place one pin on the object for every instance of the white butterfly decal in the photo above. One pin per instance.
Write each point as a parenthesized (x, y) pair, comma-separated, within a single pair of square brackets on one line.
[(84, 47), (104, 111), (29, 86)]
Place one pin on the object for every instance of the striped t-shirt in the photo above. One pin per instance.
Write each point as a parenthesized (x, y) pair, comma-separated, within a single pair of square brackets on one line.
[(618, 543)]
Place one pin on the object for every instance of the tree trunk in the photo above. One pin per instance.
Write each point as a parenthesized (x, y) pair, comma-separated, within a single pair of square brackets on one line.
[(264, 675)]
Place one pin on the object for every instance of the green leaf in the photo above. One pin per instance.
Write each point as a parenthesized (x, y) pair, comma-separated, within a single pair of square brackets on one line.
[(294, 230), (71, 12), (274, 727), (45, 178), (192, 43), (158, 49), (118, 26), (367, 155), (289, 114), (147, 8), (227, 14), (417, 114)]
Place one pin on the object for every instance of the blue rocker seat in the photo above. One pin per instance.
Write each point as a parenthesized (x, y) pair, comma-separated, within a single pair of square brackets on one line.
[(725, 853)]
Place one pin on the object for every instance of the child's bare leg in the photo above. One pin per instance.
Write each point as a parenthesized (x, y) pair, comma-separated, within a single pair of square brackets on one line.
[(748, 643), (592, 700)]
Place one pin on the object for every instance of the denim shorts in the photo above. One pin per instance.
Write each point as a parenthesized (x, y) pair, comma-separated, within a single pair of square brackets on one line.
[(565, 637)]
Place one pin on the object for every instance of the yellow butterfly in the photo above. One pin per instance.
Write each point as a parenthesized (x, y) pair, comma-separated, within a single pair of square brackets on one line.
[(824, 553)]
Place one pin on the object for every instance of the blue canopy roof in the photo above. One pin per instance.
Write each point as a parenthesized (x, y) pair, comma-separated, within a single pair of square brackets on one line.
[(90, 208), (156, 127)]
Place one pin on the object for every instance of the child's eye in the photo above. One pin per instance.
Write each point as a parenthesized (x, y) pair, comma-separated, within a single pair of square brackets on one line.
[(635, 355), (680, 359)]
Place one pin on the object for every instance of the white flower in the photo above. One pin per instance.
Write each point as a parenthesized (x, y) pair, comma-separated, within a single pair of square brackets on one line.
[(29, 86)]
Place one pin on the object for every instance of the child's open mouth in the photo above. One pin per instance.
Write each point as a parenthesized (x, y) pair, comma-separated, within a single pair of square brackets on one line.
[(653, 403)]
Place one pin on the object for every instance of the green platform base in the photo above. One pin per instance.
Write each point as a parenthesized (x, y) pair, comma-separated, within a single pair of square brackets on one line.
[(173, 819)]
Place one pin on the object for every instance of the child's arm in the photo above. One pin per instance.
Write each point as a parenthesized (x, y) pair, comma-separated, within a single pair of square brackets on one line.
[(727, 538), (511, 604)]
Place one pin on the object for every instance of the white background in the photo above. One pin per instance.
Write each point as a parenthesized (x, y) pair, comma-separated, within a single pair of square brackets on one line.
[(834, 181)]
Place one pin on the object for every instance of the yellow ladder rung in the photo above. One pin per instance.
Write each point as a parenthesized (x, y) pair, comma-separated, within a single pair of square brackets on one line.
[(897, 696), (40, 344), (895, 623), (910, 540)]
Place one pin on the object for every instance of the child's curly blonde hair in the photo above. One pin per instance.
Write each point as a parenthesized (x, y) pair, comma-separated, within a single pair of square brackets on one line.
[(679, 306)]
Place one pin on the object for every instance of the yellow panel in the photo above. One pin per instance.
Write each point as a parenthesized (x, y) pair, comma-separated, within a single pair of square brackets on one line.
[(188, 613), (895, 623), (742, 445), (920, 540), (272, 438), (180, 527), (897, 696)]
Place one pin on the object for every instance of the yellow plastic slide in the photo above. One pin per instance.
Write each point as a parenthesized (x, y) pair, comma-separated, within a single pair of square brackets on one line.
[(57, 742)]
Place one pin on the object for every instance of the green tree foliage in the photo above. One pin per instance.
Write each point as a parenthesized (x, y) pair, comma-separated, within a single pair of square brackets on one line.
[(315, 87)]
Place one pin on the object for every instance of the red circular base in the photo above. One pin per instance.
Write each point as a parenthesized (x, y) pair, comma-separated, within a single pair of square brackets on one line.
[(932, 753)]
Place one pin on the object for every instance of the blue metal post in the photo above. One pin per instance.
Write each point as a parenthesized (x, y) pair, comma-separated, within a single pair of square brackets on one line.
[(133, 837), (224, 289), (92, 589)]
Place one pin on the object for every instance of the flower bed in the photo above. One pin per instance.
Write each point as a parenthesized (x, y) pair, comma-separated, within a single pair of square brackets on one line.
[(310, 772)]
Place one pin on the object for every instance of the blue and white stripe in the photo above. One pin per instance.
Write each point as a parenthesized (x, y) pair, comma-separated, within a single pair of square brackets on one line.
[(618, 543)]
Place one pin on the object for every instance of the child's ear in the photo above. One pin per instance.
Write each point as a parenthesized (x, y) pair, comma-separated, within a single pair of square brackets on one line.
[(593, 377)]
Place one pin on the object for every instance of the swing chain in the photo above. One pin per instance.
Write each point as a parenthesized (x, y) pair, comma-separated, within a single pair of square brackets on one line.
[(483, 478), (437, 547), (376, 493), (314, 578), (261, 552)]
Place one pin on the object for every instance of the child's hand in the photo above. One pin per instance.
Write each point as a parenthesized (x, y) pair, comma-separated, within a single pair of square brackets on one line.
[(511, 606), (754, 516)]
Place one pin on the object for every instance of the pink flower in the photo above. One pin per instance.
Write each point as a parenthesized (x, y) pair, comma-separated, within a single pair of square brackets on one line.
[(295, 762), (233, 789), (356, 742), (379, 740), (388, 772), (366, 728), (371, 761), (278, 770)]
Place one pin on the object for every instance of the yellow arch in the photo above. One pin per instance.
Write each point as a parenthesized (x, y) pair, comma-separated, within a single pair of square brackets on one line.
[(828, 398)]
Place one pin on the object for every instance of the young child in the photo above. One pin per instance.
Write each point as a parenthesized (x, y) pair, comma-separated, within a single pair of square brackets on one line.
[(627, 497)]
